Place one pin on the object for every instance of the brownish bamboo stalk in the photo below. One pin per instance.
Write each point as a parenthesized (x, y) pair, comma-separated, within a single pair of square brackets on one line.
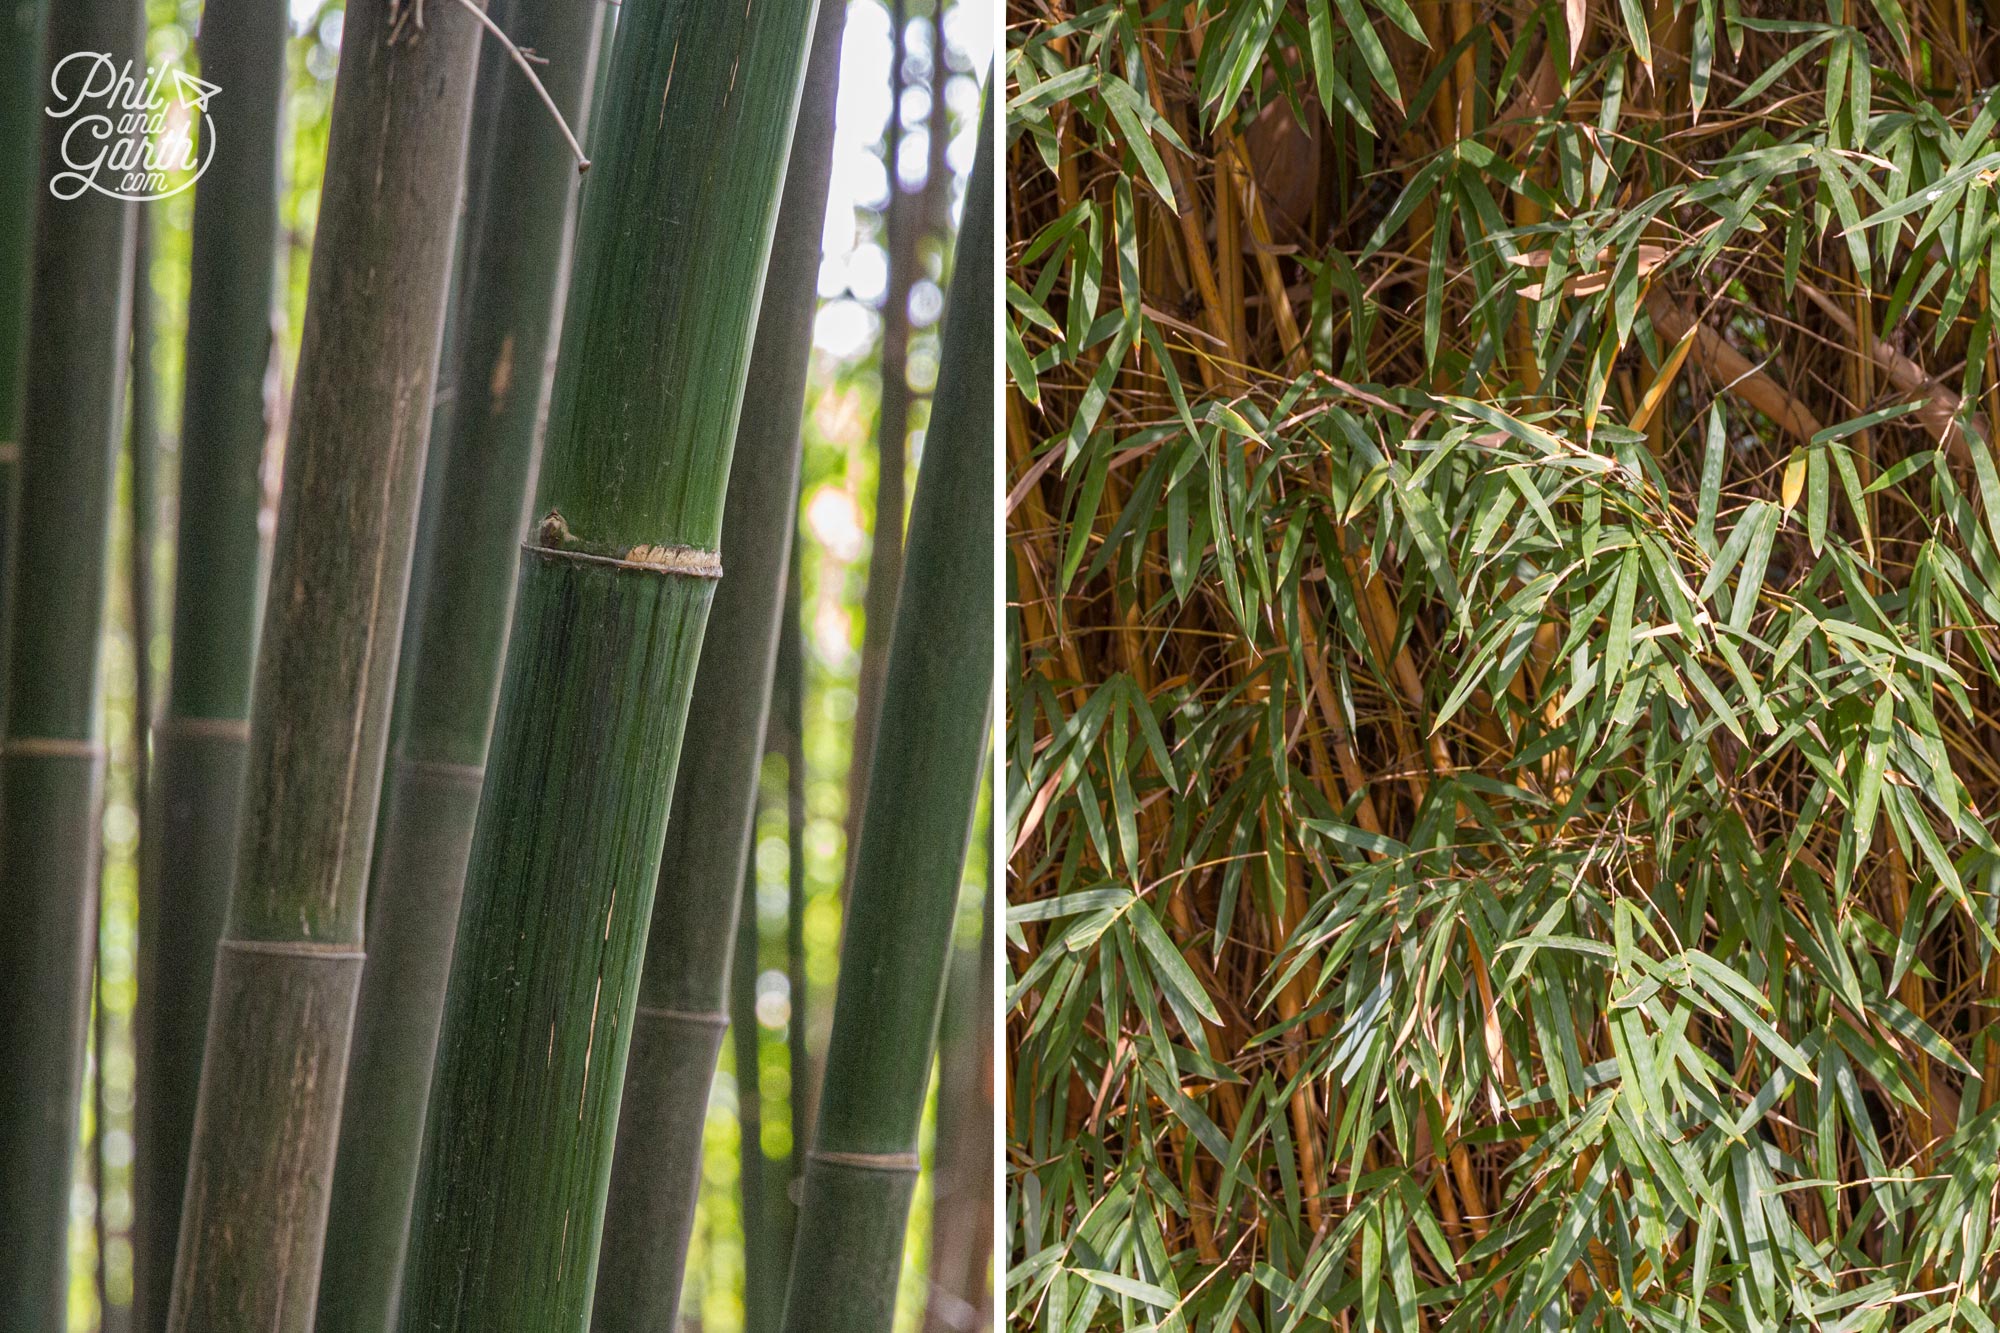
[(289, 962)]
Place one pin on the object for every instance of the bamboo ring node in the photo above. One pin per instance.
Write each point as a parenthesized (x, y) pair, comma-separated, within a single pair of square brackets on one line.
[(208, 728), (52, 747), (899, 1162), (692, 1017), (325, 950), (443, 770)]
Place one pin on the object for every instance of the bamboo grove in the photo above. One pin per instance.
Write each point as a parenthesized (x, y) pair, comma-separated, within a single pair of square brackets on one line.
[(436, 735), (1505, 575)]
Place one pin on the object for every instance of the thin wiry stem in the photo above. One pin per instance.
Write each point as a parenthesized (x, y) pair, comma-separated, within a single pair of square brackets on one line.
[(528, 68)]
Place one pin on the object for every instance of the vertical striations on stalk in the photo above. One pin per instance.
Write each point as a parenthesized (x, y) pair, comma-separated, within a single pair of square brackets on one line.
[(493, 381), (287, 969), (613, 594), (52, 753), (189, 853), (897, 940), (20, 162), (684, 987)]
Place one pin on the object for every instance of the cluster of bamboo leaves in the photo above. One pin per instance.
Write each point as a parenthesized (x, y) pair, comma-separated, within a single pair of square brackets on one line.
[(267, 878), (1506, 567)]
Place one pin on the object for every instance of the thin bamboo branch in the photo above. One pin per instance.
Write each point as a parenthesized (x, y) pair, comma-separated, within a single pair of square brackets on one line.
[(1731, 369), (1940, 410)]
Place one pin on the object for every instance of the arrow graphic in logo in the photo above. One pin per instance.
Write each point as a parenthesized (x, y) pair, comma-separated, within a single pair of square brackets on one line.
[(194, 92)]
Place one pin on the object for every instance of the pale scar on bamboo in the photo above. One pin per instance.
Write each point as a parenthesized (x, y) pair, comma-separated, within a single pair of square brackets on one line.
[(554, 540)]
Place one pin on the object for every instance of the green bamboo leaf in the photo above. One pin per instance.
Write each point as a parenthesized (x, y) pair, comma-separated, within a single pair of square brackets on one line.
[(1130, 1288), (1068, 904), (1356, 25), (1874, 760), (1737, 996), (1636, 28), (1134, 124), (1172, 969), (1618, 646)]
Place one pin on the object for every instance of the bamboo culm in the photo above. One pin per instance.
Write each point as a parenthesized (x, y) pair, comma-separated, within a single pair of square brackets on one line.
[(684, 988), (901, 225), (142, 452), (288, 967), (52, 752), (761, 1290), (20, 164), (929, 754), (790, 707), (188, 853), (961, 1250), (493, 382), (614, 592)]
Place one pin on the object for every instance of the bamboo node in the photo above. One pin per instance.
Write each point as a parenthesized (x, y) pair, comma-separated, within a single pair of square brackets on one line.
[(212, 728), (554, 541), (10, 451), (904, 1163), (471, 775), (692, 1017), (324, 950), (52, 747)]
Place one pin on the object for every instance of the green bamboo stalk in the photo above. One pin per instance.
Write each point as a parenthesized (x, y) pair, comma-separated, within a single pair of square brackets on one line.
[(897, 938), (21, 100), (961, 1249), (613, 595), (791, 709), (142, 449), (52, 753), (601, 76), (900, 227), (189, 857), (760, 1289), (289, 964), (684, 988), (493, 383)]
